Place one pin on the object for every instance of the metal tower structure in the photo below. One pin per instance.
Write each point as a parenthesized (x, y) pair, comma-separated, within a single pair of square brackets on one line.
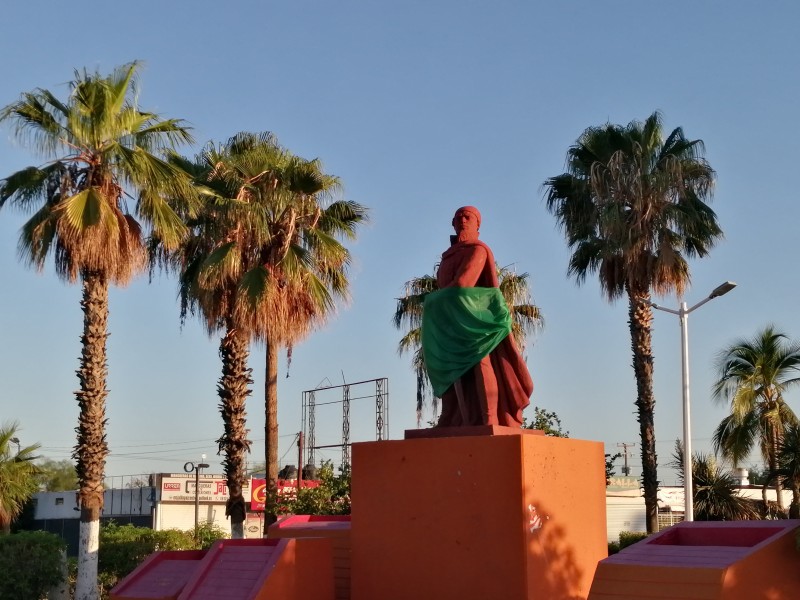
[(375, 389)]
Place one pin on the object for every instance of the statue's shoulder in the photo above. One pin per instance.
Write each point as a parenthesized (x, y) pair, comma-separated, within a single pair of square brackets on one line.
[(467, 248), (484, 246)]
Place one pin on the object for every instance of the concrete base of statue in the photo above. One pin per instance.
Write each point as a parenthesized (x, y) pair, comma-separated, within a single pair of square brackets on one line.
[(490, 513)]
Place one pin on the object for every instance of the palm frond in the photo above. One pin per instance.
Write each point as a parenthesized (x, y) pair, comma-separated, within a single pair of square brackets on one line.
[(37, 237), (32, 186), (221, 266)]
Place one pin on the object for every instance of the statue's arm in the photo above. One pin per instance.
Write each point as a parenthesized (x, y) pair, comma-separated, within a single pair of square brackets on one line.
[(470, 268)]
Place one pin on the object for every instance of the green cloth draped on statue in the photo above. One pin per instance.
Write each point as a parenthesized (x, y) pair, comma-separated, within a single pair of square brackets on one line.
[(460, 326)]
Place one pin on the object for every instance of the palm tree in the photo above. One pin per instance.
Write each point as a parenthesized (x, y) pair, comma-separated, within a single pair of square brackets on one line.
[(525, 318), (208, 285), (18, 475), (753, 376), (211, 262), (277, 238), (100, 147), (789, 465), (714, 492), (409, 313), (632, 208)]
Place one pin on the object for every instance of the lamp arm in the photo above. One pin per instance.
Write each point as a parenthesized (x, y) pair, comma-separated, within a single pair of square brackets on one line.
[(699, 304), (665, 309)]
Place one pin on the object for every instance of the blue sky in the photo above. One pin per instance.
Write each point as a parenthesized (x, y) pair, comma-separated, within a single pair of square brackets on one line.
[(419, 107)]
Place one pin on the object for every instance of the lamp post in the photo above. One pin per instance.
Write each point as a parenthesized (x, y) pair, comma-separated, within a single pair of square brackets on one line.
[(683, 314), (15, 440), (189, 467)]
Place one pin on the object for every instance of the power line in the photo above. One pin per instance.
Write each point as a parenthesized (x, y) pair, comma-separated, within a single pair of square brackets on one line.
[(69, 449)]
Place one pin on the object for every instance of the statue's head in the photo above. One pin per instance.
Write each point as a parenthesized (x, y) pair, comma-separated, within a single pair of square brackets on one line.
[(467, 223)]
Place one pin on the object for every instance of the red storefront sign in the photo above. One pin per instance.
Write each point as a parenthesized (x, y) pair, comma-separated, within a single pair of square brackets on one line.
[(285, 486)]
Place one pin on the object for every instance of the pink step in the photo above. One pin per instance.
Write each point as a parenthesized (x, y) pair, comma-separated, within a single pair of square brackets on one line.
[(161, 577)]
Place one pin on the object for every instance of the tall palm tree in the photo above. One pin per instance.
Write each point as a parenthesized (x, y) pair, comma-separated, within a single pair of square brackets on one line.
[(632, 208), (209, 267), (753, 376), (18, 475), (526, 318), (275, 240), (304, 270), (100, 148), (212, 262)]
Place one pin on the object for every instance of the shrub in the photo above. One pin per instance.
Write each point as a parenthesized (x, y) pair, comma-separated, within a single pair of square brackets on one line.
[(627, 538), (330, 497), (30, 564), (207, 534)]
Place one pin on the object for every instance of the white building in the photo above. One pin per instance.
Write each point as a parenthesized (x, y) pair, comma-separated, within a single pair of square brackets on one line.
[(168, 503)]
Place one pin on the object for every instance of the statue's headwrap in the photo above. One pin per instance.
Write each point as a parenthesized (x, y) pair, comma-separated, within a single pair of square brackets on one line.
[(471, 209)]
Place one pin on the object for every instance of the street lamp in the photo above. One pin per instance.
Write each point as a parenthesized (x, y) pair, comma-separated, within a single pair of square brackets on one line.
[(15, 440), (189, 467), (683, 313)]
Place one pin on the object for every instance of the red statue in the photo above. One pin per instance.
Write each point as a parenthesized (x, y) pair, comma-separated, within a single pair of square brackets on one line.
[(473, 361)]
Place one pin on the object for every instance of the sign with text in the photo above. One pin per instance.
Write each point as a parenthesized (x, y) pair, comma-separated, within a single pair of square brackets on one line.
[(181, 488), (285, 486)]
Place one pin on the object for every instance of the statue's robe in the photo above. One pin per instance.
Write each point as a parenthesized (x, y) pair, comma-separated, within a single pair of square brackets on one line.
[(498, 387)]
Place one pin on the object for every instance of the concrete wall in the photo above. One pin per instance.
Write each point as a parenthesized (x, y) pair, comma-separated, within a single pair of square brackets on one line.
[(119, 502), (624, 514)]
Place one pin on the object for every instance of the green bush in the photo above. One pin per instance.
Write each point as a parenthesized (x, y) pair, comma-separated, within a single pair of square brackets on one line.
[(30, 564), (331, 497), (627, 538), (124, 547), (207, 534), (613, 548)]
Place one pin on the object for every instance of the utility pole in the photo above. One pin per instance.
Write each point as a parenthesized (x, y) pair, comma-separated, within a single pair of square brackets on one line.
[(626, 470), (299, 461)]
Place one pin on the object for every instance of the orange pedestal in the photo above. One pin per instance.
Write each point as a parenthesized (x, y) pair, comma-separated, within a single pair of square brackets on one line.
[(503, 514), (335, 528), (732, 560)]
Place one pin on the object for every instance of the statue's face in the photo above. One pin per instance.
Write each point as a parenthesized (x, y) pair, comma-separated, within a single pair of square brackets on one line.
[(466, 224)]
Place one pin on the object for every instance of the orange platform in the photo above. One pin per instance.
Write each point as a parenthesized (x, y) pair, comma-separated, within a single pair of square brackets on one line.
[(336, 528), (705, 560), (504, 514)]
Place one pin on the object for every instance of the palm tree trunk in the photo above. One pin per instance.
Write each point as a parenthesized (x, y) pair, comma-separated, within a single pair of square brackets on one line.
[(773, 466), (639, 320), (91, 449), (233, 389), (271, 430)]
